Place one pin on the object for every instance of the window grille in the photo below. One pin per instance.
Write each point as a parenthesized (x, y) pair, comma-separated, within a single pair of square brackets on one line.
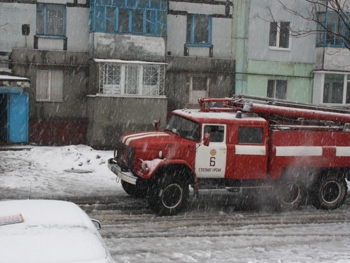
[(131, 79)]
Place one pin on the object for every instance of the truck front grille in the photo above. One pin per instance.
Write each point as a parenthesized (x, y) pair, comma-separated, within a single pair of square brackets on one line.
[(125, 157)]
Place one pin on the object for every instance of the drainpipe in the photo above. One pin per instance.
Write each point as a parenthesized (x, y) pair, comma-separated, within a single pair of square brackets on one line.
[(240, 43)]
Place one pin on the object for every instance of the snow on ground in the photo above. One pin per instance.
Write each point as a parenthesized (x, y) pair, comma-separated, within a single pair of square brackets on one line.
[(311, 243), (80, 171), (72, 171)]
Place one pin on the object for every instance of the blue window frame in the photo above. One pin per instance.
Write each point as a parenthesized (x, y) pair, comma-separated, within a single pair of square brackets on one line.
[(51, 20), (336, 30), (135, 17), (199, 30)]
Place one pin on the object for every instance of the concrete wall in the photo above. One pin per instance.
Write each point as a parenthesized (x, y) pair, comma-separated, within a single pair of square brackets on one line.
[(111, 117), (220, 72), (56, 115), (127, 47)]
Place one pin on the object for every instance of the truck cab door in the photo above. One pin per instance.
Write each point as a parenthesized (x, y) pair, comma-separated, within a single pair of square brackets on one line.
[(248, 156), (211, 160)]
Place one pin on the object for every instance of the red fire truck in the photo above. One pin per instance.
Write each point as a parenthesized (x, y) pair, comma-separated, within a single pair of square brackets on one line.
[(292, 149)]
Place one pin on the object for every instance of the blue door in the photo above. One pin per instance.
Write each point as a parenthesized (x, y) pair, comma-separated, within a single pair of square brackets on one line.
[(18, 118)]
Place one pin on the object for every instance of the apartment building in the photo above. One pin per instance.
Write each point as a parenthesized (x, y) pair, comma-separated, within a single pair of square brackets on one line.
[(271, 60), (100, 68)]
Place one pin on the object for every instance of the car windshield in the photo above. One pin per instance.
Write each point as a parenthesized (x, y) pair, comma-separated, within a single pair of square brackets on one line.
[(183, 127)]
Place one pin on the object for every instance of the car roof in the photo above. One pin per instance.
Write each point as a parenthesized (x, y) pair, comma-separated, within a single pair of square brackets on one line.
[(46, 212), (48, 231)]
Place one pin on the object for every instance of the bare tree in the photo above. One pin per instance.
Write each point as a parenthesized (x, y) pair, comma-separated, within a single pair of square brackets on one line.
[(332, 18)]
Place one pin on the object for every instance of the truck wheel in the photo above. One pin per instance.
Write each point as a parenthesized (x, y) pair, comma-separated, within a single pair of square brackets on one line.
[(168, 195), (133, 190), (289, 195), (330, 192)]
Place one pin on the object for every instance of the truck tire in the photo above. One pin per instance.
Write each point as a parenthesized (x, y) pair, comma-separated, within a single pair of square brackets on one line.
[(289, 195), (168, 195), (133, 190), (329, 192)]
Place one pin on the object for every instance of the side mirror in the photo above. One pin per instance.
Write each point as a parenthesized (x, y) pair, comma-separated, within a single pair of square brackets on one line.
[(96, 223), (156, 124), (206, 140)]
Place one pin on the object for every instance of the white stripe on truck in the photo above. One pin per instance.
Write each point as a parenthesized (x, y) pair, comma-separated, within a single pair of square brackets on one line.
[(131, 138), (299, 151), (250, 150)]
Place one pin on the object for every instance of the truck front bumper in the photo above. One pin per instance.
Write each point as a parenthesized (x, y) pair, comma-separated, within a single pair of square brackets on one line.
[(125, 176)]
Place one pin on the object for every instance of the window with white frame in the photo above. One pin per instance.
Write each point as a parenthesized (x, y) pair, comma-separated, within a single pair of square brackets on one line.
[(49, 85), (199, 29), (51, 20), (196, 87), (277, 89), (279, 34), (336, 88), (131, 79)]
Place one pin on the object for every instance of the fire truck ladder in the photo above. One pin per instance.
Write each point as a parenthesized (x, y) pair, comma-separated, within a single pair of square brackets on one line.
[(281, 112)]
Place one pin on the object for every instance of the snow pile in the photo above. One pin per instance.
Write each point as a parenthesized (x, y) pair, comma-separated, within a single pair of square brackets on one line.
[(53, 172)]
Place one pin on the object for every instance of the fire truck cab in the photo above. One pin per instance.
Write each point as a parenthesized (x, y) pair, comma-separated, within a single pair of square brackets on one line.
[(294, 150)]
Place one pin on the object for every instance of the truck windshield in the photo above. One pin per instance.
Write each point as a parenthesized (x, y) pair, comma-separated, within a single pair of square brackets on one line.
[(184, 128)]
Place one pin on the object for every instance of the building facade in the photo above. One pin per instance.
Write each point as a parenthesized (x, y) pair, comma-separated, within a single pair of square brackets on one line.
[(101, 68), (332, 67), (271, 60)]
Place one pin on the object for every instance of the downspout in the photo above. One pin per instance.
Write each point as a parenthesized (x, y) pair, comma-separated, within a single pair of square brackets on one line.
[(240, 43)]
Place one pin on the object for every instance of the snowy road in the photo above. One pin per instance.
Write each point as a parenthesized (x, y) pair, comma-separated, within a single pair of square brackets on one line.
[(218, 232)]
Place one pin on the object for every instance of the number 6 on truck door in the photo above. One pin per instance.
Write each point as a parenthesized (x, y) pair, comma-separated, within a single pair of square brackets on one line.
[(211, 160)]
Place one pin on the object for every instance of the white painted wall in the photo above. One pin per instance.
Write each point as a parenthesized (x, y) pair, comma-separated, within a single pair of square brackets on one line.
[(318, 88), (262, 12), (221, 30), (222, 37), (337, 59), (176, 34), (14, 15)]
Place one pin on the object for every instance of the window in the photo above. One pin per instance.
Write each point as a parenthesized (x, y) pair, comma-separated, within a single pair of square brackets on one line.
[(51, 20), (277, 89), (217, 132), (49, 85), (196, 87), (279, 34), (132, 79), (141, 17), (336, 89), (199, 30), (183, 127), (250, 135), (333, 29)]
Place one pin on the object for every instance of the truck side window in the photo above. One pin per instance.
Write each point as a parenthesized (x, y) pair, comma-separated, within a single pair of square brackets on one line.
[(250, 135), (217, 132)]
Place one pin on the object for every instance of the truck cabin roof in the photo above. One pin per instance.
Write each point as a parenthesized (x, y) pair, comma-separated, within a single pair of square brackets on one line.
[(221, 117)]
